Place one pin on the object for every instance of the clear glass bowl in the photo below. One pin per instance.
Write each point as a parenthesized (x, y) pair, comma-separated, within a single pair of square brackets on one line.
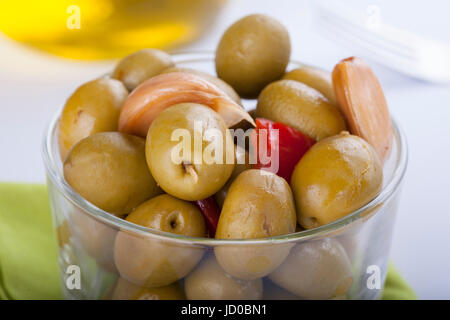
[(344, 259)]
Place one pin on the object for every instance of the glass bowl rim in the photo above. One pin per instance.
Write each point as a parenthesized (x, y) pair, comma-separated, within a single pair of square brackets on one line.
[(120, 224)]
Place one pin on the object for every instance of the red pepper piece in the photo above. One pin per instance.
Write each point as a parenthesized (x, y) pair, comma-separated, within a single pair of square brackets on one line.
[(211, 213), (289, 146)]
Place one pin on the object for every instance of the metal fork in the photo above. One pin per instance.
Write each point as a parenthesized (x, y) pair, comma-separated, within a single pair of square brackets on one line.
[(394, 48)]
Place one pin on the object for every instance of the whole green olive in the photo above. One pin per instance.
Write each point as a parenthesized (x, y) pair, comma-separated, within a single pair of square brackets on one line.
[(93, 107), (259, 204), (95, 237), (210, 282), (109, 170), (335, 177), (125, 290), (150, 261), (190, 151), (315, 78), (169, 214), (301, 107), (140, 66), (317, 269), (253, 52), (242, 164), (225, 87), (274, 292)]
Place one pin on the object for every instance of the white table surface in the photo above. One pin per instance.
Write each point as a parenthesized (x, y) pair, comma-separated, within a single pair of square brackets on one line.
[(33, 86)]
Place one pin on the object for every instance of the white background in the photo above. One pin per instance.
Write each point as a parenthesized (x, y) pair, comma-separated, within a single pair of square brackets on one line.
[(33, 86)]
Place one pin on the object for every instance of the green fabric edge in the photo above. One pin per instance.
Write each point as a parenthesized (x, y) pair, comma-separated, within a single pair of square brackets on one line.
[(28, 253), (395, 287)]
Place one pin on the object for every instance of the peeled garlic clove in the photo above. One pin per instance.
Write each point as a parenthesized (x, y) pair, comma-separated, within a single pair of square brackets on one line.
[(160, 92), (225, 87), (361, 99)]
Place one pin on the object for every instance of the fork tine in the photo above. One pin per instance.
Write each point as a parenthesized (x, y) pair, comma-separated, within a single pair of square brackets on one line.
[(381, 56), (373, 52), (397, 49), (349, 35), (385, 33), (367, 36)]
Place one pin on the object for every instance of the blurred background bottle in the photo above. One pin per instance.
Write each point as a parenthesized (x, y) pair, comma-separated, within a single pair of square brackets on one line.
[(102, 29)]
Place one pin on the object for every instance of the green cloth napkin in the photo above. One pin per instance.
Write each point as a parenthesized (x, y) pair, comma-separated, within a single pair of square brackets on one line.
[(395, 288), (28, 254)]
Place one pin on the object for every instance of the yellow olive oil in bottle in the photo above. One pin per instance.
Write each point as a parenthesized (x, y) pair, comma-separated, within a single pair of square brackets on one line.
[(101, 29)]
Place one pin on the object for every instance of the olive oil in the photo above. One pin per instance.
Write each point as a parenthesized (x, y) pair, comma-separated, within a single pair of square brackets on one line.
[(99, 29)]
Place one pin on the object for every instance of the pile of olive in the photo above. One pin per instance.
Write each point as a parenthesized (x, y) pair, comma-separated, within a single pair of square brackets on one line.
[(116, 141)]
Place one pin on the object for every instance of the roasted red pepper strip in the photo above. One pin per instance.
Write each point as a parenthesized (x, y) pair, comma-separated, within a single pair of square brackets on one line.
[(210, 212), (290, 145)]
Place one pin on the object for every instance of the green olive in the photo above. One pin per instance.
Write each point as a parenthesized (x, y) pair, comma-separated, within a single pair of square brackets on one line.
[(301, 107), (259, 204), (253, 52), (63, 234), (169, 214), (190, 151), (335, 177), (149, 261), (274, 292), (351, 240), (317, 269), (140, 66), (315, 78), (242, 164), (225, 87), (93, 107), (125, 290), (209, 282), (109, 170), (96, 238)]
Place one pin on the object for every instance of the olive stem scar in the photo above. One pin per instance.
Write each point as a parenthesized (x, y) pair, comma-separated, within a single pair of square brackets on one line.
[(189, 168)]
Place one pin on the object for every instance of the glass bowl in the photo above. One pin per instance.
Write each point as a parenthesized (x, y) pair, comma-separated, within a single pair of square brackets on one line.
[(104, 257)]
